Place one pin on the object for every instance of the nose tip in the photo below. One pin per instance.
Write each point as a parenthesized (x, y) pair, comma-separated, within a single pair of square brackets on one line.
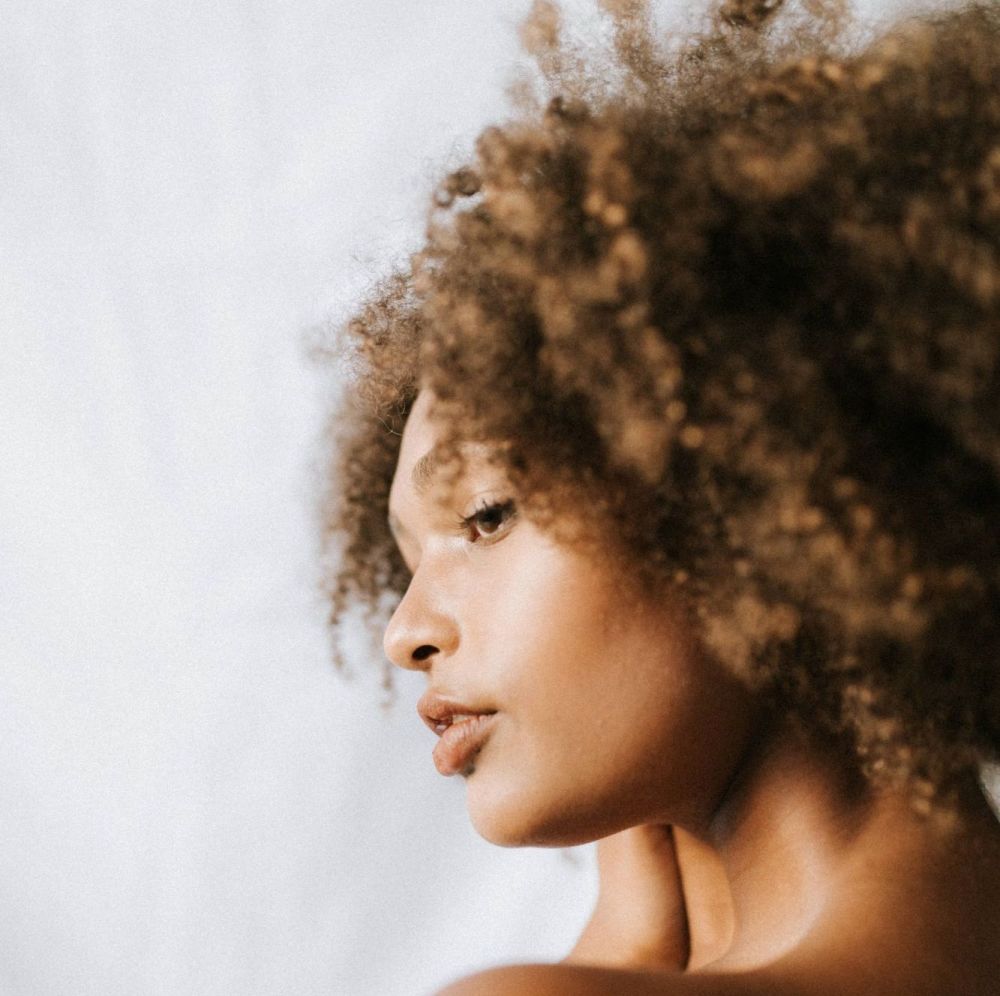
[(412, 638), (418, 659), (423, 625)]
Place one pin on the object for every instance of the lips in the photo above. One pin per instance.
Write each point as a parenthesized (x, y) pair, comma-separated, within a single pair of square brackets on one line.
[(463, 730)]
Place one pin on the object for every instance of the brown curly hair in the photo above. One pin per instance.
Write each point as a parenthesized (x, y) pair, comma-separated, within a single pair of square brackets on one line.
[(730, 305)]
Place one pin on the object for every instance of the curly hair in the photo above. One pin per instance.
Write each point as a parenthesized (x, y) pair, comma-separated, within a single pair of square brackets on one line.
[(730, 306)]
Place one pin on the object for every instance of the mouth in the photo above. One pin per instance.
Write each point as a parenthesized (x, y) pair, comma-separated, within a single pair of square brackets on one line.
[(445, 723), (462, 729), (461, 742)]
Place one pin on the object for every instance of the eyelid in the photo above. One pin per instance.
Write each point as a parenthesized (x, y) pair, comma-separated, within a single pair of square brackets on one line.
[(401, 539), (506, 506)]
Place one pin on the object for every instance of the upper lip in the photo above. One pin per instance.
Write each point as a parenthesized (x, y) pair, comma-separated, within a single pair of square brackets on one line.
[(439, 711)]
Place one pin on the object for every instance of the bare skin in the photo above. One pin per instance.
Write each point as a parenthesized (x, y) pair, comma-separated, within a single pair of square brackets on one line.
[(798, 886), (736, 855)]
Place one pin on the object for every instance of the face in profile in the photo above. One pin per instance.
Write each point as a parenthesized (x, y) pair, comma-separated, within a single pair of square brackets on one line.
[(572, 708)]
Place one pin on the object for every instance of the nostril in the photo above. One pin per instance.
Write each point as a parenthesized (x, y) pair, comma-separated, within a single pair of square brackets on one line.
[(423, 652)]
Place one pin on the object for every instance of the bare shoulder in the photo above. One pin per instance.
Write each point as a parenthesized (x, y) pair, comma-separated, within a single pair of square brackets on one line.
[(560, 980), (580, 980), (792, 976)]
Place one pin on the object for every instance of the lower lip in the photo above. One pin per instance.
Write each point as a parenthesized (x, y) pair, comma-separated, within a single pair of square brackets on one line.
[(461, 742)]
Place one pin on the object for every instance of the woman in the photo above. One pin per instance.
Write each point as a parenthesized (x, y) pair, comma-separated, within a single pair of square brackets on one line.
[(678, 447)]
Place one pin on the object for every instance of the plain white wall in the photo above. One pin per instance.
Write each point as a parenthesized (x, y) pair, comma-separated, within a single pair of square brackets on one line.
[(191, 801)]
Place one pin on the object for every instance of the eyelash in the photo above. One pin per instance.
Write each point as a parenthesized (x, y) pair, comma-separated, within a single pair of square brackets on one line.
[(507, 512)]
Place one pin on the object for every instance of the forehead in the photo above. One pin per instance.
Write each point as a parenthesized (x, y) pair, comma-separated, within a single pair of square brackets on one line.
[(419, 433), (419, 438), (418, 465)]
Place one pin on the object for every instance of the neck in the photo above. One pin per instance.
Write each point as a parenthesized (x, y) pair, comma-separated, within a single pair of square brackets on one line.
[(795, 837)]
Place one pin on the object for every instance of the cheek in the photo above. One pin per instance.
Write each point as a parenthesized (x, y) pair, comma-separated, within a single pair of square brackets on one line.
[(592, 691), (610, 716), (553, 630), (619, 708), (578, 649)]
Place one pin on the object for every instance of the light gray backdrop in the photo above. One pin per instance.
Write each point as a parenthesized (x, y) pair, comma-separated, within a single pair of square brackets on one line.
[(191, 801)]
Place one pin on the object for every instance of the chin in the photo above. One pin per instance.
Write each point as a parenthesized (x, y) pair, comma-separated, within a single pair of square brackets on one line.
[(513, 819)]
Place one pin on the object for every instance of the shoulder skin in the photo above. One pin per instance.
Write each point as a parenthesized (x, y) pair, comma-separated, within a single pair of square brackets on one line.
[(579, 980)]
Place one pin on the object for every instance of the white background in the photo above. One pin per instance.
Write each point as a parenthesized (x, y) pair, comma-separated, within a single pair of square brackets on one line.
[(191, 800)]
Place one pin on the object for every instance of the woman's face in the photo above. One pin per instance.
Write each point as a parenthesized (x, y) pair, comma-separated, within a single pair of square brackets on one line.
[(603, 715)]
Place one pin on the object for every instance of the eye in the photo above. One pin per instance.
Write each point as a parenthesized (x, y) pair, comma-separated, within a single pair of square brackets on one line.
[(488, 521)]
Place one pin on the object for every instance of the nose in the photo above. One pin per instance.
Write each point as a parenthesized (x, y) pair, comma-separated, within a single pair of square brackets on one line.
[(420, 628)]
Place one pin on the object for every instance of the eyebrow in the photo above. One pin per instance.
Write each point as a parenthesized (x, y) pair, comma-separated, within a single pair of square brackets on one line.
[(424, 471), (423, 474)]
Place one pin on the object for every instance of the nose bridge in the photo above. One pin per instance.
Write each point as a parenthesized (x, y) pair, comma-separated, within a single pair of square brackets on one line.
[(421, 626)]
